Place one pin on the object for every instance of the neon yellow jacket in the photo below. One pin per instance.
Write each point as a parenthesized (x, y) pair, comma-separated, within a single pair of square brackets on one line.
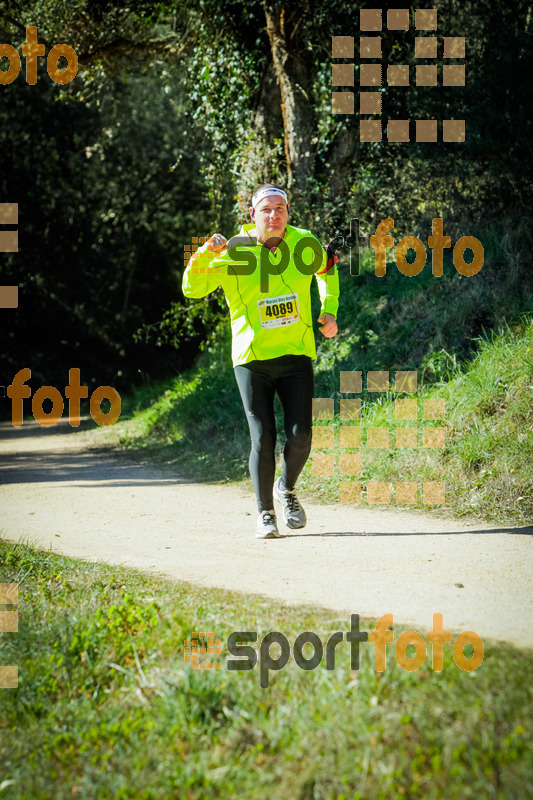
[(265, 324)]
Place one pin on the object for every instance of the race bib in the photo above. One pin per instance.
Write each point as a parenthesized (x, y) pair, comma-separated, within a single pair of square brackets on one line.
[(277, 311)]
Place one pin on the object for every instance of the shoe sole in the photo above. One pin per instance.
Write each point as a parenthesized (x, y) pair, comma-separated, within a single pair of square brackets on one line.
[(280, 501), (294, 527), (270, 535)]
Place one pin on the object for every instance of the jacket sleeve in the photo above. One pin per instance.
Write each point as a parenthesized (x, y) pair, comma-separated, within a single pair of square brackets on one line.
[(328, 287), (201, 276)]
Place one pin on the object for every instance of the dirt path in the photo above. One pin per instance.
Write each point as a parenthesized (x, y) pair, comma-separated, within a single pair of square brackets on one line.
[(60, 494)]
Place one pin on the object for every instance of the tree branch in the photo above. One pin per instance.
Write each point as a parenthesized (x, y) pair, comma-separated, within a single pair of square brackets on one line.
[(22, 27), (121, 46)]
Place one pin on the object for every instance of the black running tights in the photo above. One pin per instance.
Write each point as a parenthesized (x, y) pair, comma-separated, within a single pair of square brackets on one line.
[(291, 377)]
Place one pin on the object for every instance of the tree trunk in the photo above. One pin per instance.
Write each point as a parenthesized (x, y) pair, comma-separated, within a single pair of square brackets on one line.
[(261, 161), (295, 81), (342, 152)]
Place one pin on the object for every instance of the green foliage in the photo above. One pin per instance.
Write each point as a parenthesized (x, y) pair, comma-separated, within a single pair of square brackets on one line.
[(107, 706), (176, 111), (103, 253), (115, 625), (487, 461)]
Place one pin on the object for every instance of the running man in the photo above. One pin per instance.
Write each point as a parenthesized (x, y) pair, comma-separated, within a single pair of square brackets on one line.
[(267, 282)]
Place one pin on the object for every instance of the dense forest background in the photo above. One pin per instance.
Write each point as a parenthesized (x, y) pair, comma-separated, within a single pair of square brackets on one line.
[(180, 109)]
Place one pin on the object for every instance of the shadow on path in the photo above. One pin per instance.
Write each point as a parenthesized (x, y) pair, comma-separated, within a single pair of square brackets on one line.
[(525, 531)]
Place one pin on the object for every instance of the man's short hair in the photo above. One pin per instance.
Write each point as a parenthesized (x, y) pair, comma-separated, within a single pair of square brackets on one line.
[(261, 188)]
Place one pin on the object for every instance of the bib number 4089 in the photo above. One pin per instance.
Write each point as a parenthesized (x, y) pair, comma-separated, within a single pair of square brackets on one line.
[(279, 309)]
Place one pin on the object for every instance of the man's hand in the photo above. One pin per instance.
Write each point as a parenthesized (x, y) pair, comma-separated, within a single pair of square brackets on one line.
[(217, 243), (329, 323)]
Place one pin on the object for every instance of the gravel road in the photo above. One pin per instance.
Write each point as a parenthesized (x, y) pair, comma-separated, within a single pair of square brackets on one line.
[(59, 492)]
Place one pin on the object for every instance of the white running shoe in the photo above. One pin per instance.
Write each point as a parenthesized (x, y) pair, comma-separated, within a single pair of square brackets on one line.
[(267, 527), (293, 514)]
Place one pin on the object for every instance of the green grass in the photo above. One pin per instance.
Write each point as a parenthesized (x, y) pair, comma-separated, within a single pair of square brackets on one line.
[(107, 707), (487, 461)]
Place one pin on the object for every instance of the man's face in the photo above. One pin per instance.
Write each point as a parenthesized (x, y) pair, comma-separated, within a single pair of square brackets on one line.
[(271, 216)]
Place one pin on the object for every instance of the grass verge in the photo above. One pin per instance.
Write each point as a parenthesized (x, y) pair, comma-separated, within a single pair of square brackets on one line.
[(107, 707)]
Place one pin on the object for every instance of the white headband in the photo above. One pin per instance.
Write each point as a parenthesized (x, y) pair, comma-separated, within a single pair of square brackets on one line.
[(268, 191)]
